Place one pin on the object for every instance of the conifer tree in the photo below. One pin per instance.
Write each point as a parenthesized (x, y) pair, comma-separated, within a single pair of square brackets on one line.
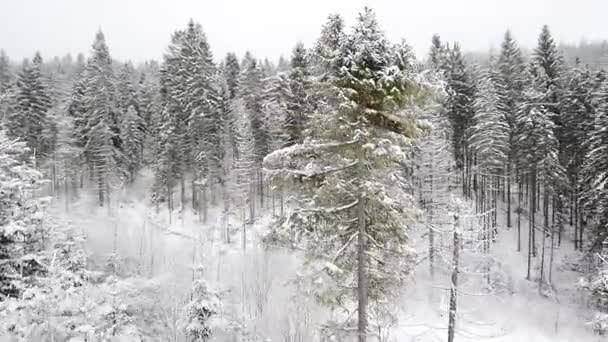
[(510, 81), (595, 172), (101, 122), (21, 231), (298, 96), (231, 72), (250, 82), (490, 135), (190, 119), (327, 45), (344, 216), (29, 120), (460, 111), (5, 72), (539, 158), (438, 54)]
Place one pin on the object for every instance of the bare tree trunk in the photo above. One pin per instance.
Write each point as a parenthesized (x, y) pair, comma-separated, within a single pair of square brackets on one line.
[(430, 224), (170, 203), (66, 187), (551, 254), (183, 194), (195, 205), (362, 262), (519, 196), (454, 285), (204, 203)]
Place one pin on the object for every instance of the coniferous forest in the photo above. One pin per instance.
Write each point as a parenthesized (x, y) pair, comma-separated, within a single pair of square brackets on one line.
[(351, 191)]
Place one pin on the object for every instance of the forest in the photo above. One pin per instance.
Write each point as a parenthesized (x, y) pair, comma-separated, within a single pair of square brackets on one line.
[(352, 191)]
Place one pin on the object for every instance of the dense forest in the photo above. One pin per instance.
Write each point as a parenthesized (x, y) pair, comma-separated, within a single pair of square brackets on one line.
[(329, 196)]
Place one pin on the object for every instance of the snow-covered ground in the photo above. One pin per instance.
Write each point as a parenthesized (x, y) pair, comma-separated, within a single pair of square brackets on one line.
[(256, 282)]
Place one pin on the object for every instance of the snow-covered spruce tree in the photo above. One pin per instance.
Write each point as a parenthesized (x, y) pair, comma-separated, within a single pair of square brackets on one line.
[(188, 97), (205, 121), (436, 172), (101, 121), (243, 175), (67, 159), (460, 111), (250, 83), (352, 213), (489, 143), (29, 121), (248, 91), (327, 45), (510, 79), (595, 172), (577, 107), (438, 54), (132, 124), (5, 72), (298, 97), (539, 158), (199, 313), (148, 96), (21, 231), (489, 137), (277, 94), (231, 71), (132, 132)]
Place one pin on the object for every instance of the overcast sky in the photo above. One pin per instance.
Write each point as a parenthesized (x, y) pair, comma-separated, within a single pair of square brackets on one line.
[(141, 29)]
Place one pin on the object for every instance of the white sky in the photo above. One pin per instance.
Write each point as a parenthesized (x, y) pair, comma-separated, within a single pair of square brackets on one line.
[(141, 29)]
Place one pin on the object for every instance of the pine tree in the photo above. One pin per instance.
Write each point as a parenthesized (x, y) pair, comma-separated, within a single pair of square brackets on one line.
[(343, 216)]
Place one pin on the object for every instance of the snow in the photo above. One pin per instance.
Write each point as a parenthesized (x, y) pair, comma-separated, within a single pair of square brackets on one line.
[(517, 315)]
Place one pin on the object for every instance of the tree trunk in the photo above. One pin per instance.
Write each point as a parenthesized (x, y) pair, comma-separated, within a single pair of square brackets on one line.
[(362, 261), (519, 196), (66, 186), (205, 204), (454, 286)]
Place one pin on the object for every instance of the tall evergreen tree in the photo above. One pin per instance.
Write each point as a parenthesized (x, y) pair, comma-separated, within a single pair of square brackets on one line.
[(5, 72), (231, 71), (344, 217), (437, 54), (298, 96), (460, 111), (101, 129), (21, 231), (594, 173), (510, 77), (327, 45), (29, 120), (250, 83)]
